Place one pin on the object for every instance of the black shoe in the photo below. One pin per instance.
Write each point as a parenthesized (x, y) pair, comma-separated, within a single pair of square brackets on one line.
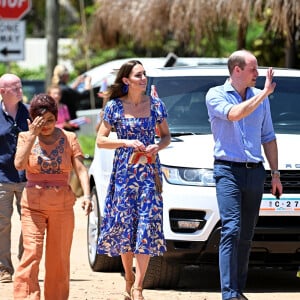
[(242, 297)]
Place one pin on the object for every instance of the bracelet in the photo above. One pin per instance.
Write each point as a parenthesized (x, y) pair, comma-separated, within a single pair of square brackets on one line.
[(87, 197)]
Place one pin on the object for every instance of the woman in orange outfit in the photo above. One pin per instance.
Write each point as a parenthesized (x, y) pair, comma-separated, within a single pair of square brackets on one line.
[(48, 154)]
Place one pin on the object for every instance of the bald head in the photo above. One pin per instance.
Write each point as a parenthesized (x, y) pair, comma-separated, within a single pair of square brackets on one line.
[(11, 89), (239, 58), (8, 80)]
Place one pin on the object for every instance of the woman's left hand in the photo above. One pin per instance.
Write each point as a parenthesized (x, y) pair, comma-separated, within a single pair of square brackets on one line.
[(152, 149)]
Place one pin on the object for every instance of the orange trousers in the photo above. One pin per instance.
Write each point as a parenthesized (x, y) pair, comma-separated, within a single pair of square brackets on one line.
[(45, 213)]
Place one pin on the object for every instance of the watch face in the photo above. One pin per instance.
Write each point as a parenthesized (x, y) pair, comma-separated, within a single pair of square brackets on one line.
[(275, 174)]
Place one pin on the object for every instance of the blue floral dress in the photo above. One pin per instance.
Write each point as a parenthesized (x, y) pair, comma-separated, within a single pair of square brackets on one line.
[(133, 211)]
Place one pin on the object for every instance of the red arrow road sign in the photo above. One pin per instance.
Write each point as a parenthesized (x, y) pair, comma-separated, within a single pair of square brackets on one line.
[(14, 9)]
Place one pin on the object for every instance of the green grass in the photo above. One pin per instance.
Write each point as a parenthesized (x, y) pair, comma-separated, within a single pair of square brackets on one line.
[(87, 143)]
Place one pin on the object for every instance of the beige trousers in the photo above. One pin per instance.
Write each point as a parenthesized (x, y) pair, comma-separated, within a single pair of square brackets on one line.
[(45, 212)]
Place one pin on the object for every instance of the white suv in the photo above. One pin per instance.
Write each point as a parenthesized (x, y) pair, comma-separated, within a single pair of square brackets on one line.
[(191, 217)]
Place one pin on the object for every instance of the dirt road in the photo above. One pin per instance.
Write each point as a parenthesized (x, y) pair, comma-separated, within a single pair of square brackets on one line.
[(194, 283)]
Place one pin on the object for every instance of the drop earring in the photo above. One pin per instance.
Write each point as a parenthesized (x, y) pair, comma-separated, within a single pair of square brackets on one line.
[(125, 89)]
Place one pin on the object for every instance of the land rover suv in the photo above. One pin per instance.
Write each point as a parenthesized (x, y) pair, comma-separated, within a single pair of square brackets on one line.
[(191, 218)]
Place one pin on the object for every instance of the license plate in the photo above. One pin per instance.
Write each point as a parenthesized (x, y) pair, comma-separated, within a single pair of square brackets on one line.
[(283, 204)]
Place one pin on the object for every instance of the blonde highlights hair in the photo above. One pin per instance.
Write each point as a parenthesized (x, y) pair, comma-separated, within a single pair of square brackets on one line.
[(58, 72)]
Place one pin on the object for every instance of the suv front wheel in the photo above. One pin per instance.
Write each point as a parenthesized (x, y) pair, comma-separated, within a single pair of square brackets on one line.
[(98, 262), (162, 274)]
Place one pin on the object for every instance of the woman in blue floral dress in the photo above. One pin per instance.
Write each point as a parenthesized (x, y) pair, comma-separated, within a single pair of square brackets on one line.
[(132, 224)]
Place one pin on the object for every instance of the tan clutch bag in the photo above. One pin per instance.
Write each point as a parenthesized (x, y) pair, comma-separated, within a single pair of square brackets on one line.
[(140, 157)]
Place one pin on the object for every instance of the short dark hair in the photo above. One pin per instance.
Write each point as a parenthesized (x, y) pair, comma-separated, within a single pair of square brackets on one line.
[(42, 103)]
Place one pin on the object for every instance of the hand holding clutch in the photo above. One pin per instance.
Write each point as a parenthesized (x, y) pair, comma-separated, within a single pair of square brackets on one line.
[(139, 157)]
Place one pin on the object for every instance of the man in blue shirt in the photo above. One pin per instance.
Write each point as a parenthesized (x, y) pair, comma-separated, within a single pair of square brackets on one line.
[(13, 119), (241, 122)]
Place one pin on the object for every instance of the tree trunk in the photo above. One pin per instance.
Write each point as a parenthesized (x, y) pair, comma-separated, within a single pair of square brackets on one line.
[(52, 35), (291, 49), (242, 32)]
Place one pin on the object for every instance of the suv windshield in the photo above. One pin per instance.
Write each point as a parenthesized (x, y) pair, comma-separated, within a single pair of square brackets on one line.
[(187, 113)]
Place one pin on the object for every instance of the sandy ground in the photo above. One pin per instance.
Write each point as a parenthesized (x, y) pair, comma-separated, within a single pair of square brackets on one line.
[(194, 284)]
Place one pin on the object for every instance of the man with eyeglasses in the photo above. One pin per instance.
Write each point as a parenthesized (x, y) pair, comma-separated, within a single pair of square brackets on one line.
[(13, 119)]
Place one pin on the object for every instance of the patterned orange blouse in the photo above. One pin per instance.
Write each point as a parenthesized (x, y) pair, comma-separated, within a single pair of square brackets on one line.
[(49, 167)]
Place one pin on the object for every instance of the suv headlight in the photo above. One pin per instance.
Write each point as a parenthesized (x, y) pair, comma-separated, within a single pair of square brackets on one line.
[(189, 176)]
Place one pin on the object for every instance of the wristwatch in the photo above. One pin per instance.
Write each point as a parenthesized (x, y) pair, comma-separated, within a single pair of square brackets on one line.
[(275, 173)]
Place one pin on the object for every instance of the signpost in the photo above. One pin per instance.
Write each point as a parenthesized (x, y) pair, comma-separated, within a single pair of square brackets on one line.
[(12, 35), (12, 31)]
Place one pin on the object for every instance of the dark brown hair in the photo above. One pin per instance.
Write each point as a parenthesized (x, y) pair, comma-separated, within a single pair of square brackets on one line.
[(42, 103), (116, 89)]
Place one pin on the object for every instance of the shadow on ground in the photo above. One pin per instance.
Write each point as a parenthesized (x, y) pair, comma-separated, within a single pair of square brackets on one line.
[(259, 280)]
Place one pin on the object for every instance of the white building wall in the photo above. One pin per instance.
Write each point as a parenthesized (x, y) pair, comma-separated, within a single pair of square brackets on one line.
[(35, 53)]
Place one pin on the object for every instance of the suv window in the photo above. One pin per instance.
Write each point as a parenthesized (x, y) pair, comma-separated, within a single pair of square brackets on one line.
[(285, 105), (31, 88), (187, 113)]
